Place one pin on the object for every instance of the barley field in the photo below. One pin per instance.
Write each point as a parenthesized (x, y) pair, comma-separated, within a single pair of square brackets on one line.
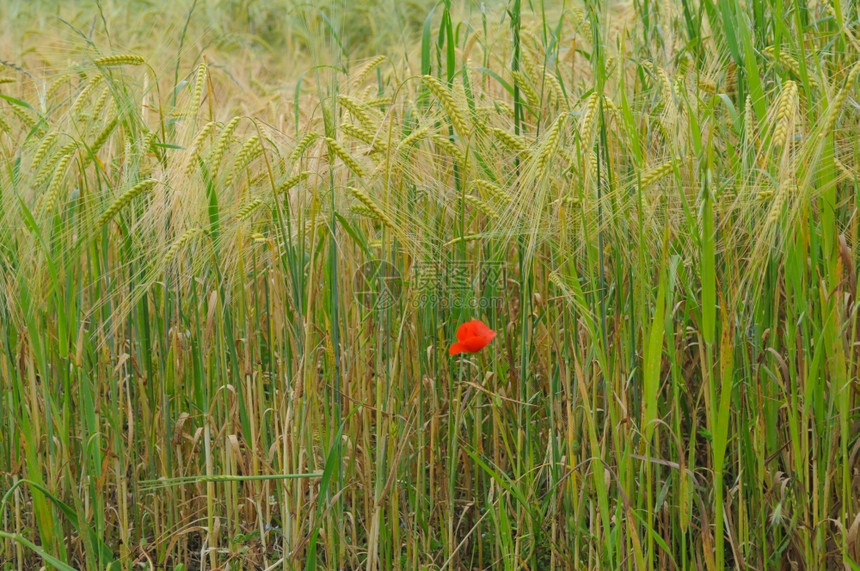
[(238, 241)]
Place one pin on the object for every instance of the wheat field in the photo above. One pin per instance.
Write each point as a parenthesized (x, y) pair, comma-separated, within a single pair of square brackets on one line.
[(237, 239)]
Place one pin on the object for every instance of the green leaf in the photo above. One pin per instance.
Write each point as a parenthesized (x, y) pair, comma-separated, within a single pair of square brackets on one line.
[(56, 563)]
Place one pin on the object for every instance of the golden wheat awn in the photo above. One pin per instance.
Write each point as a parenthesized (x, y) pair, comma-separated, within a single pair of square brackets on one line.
[(248, 209), (199, 85), (364, 211), (846, 171), (449, 147), (214, 162), (4, 126), (749, 123), (368, 68), (656, 173), (201, 136), (413, 137), (379, 102), (786, 105), (443, 94), (42, 150), (368, 92), (513, 142), (531, 96), (835, 106), (100, 140), (493, 190), (610, 106), (336, 150), (118, 60), (58, 83), (303, 146), (147, 142), (765, 195), (53, 193), (291, 182), (47, 169), (779, 199), (124, 199), (482, 206), (592, 163), (470, 44), (100, 103), (22, 116), (787, 61), (365, 137), (369, 203), (503, 108), (528, 62), (667, 92), (84, 95), (357, 110), (572, 201), (247, 153), (549, 146), (707, 85), (186, 237), (194, 148), (557, 91), (589, 120), (466, 238)]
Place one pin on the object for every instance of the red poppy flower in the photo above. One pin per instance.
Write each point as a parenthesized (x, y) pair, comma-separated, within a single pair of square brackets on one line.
[(472, 336)]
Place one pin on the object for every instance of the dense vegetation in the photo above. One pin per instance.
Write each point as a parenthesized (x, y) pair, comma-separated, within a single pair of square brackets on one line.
[(237, 239)]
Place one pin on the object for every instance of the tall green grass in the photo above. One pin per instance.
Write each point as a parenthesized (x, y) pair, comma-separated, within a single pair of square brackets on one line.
[(192, 375)]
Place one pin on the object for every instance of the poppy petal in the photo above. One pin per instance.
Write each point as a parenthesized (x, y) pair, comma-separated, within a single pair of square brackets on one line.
[(472, 336)]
